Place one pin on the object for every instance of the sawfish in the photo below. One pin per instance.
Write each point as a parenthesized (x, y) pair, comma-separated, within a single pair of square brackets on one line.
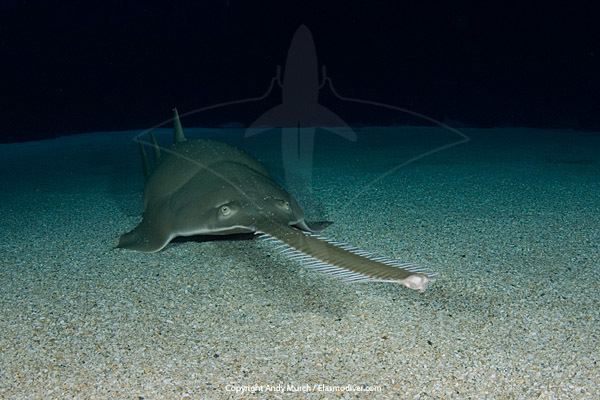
[(207, 187)]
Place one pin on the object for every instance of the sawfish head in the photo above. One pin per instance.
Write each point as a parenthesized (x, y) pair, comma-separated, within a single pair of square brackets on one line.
[(205, 187), (234, 199), (227, 198)]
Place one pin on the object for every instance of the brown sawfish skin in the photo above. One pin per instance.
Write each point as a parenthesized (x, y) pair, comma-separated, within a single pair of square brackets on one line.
[(205, 187)]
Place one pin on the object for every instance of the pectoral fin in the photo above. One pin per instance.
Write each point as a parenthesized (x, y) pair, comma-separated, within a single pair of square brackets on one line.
[(149, 236), (313, 226)]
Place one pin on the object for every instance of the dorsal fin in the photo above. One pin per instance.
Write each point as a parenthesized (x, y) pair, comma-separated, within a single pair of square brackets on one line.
[(156, 148), (178, 135)]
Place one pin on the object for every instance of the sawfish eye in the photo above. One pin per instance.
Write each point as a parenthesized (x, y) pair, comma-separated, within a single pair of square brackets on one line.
[(284, 204), (225, 210)]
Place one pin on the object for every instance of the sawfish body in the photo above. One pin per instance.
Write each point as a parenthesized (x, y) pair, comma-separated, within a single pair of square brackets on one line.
[(205, 187)]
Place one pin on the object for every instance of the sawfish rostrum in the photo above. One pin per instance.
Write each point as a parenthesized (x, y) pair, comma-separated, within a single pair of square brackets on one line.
[(205, 187)]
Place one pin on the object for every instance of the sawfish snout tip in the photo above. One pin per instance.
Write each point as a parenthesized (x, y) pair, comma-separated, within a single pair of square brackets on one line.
[(417, 282)]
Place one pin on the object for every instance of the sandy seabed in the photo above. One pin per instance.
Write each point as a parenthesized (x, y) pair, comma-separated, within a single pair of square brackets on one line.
[(510, 221)]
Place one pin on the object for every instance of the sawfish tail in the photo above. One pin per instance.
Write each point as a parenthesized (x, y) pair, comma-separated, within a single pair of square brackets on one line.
[(342, 260)]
